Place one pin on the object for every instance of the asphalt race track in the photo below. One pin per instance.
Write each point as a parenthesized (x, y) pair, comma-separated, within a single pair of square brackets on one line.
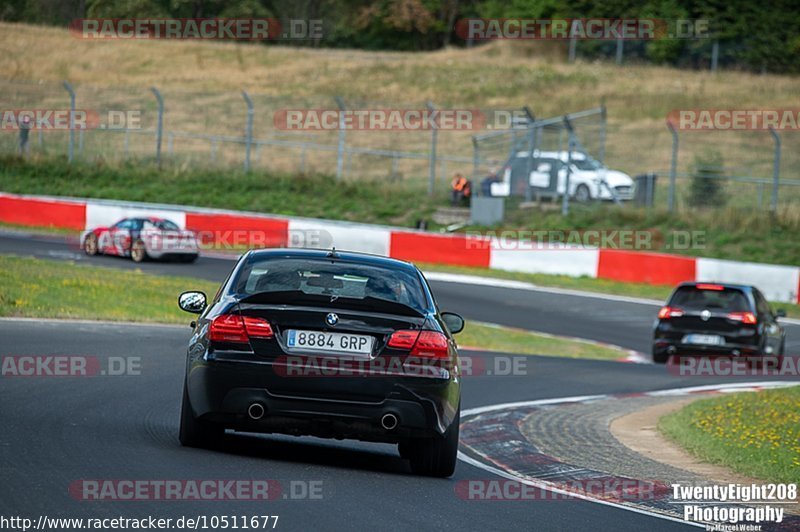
[(57, 431)]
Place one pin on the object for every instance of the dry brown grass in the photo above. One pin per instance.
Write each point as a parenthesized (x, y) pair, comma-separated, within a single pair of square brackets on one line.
[(193, 76)]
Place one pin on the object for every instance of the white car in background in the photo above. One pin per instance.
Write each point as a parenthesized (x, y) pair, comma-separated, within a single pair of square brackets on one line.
[(589, 179)]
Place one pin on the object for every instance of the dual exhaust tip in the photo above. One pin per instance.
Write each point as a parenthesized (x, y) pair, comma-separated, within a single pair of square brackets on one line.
[(389, 421), (256, 411)]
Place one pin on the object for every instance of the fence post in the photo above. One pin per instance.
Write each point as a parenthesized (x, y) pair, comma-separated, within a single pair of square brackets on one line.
[(602, 149), (71, 149), (434, 138), (340, 149), (159, 125), (619, 50), (714, 56), (673, 167), (249, 132), (776, 169), (475, 158), (570, 148), (573, 42)]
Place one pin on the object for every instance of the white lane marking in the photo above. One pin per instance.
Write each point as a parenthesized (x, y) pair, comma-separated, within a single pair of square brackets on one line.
[(547, 486), (744, 386)]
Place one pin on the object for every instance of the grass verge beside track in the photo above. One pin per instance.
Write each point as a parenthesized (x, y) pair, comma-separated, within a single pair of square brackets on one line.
[(754, 434), (52, 289)]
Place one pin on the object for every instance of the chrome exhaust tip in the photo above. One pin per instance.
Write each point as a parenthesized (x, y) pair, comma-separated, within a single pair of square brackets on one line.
[(256, 411), (389, 421)]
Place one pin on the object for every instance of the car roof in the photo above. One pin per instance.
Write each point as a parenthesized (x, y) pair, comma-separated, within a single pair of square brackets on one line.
[(743, 287), (344, 256), (563, 155)]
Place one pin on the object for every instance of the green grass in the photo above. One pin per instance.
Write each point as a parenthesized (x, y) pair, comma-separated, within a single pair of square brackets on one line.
[(748, 235), (37, 288), (755, 434), (291, 195), (493, 337), (586, 284), (53, 289)]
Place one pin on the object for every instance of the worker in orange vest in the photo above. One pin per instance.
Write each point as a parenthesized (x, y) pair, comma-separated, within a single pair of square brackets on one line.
[(458, 186)]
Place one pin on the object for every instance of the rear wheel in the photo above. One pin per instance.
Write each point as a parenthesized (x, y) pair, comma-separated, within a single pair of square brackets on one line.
[(194, 432), (437, 456), (90, 245), (138, 251), (660, 358), (582, 194)]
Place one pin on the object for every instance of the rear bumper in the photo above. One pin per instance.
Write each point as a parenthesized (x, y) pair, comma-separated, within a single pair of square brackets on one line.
[(330, 406), (666, 347)]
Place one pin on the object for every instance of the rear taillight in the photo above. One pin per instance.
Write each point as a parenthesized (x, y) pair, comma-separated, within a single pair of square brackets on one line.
[(745, 317), (706, 286), (428, 344), (431, 344), (403, 339), (669, 312), (232, 328)]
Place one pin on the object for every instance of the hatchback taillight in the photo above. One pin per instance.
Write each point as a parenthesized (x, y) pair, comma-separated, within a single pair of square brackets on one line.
[(745, 317), (232, 328), (669, 312), (428, 344)]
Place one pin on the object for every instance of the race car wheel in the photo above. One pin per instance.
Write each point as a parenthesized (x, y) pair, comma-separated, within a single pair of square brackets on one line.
[(138, 251), (90, 245), (437, 456), (194, 432)]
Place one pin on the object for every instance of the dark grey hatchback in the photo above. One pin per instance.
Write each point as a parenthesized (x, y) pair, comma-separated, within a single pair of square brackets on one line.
[(329, 344), (718, 319)]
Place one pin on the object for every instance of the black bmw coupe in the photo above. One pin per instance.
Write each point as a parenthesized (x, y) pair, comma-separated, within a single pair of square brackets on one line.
[(325, 343)]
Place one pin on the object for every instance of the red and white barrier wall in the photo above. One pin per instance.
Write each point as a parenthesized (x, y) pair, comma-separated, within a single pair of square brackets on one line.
[(779, 283)]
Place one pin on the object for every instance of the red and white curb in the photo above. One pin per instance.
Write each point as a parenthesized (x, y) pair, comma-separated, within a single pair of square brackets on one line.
[(492, 441)]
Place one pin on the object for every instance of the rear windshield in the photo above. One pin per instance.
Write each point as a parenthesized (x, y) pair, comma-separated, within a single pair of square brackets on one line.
[(331, 279), (727, 299)]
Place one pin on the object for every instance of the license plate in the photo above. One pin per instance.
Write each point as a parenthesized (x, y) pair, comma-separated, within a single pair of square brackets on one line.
[(703, 339), (330, 342)]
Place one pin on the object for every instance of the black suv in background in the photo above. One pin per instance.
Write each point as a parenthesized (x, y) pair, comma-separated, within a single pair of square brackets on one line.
[(718, 319)]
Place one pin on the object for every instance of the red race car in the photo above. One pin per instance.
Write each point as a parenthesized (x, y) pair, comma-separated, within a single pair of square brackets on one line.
[(142, 239)]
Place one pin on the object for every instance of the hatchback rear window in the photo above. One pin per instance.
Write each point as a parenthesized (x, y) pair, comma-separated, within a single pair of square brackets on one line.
[(725, 299), (331, 279)]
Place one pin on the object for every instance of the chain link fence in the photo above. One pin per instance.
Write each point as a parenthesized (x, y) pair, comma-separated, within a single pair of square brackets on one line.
[(750, 169)]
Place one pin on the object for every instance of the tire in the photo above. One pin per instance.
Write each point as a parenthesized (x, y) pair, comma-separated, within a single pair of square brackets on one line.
[(582, 194), (660, 358), (197, 433), (90, 245), (187, 259), (437, 456), (138, 251)]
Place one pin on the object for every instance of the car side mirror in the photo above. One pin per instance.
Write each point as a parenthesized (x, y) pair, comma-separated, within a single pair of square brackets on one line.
[(780, 313), (194, 302), (454, 322)]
